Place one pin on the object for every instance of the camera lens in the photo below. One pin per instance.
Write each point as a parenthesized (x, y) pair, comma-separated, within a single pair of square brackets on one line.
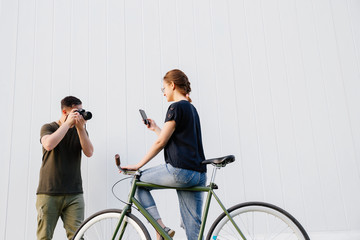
[(87, 115)]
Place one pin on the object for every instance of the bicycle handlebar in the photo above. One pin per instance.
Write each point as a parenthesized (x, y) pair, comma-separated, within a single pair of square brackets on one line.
[(117, 162), (124, 171)]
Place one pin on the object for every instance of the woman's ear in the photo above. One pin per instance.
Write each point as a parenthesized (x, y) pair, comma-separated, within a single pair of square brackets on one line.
[(172, 85)]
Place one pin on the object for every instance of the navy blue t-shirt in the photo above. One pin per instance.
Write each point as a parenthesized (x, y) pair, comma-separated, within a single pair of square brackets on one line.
[(184, 148)]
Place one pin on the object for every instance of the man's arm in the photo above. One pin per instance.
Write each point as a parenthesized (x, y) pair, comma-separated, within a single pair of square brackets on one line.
[(50, 141), (85, 142)]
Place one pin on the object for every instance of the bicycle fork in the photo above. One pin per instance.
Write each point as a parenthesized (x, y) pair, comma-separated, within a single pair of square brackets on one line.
[(121, 220), (126, 210)]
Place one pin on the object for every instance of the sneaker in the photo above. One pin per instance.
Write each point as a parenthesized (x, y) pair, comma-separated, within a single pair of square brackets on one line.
[(169, 231)]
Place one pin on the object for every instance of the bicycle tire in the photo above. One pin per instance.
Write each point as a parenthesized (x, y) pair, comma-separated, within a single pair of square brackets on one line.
[(257, 220), (102, 225)]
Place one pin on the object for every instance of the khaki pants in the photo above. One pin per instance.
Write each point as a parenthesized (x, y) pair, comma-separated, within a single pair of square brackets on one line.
[(49, 208)]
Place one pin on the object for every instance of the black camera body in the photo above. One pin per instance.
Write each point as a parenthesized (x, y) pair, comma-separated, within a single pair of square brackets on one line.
[(86, 115)]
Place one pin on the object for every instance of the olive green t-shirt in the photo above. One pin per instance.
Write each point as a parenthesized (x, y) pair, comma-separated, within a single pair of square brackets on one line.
[(60, 171)]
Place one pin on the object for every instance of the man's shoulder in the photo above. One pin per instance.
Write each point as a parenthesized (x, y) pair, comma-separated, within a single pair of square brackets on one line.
[(49, 127)]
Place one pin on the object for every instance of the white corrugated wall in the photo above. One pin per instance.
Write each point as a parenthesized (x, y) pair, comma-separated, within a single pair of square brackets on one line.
[(276, 83)]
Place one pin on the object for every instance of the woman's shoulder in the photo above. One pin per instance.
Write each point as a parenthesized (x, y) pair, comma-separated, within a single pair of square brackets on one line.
[(179, 107), (182, 103)]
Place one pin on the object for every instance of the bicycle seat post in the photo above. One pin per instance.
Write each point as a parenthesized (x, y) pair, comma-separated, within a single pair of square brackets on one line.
[(212, 180)]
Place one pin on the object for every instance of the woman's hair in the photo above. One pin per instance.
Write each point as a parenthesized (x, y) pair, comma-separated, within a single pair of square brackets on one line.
[(179, 78)]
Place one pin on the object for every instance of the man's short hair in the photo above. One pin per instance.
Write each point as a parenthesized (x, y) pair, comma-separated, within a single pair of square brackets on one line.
[(70, 101)]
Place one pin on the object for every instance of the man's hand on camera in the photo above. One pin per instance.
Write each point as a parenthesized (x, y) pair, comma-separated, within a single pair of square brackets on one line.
[(80, 122), (72, 118)]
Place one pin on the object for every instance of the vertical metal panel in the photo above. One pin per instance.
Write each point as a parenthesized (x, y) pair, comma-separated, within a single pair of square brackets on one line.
[(41, 102), (206, 77), (351, 70), (116, 106), (329, 76), (21, 131), (297, 99), (98, 99), (61, 62), (351, 82), (226, 95), (8, 47), (169, 34), (247, 119), (263, 106), (79, 71), (344, 140), (188, 57), (304, 102), (135, 79)]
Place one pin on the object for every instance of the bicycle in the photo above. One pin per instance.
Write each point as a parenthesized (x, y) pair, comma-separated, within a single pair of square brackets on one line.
[(247, 221)]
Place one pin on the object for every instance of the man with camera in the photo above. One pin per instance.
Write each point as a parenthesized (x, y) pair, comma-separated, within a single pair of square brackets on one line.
[(60, 192)]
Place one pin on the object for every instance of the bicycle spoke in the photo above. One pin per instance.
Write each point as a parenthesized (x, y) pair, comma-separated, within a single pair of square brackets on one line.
[(102, 225), (256, 223)]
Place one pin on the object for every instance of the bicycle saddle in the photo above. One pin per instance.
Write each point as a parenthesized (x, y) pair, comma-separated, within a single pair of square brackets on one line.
[(221, 161)]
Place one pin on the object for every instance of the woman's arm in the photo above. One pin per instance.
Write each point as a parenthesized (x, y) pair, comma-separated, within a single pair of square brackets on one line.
[(159, 144), (153, 127)]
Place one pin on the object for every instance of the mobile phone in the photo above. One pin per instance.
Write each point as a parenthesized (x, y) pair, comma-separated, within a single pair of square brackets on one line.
[(144, 117)]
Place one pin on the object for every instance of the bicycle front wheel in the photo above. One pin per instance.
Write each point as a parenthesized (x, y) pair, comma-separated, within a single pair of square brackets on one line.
[(257, 220), (102, 225)]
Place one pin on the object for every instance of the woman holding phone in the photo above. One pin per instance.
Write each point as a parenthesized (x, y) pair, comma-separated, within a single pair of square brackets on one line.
[(181, 140)]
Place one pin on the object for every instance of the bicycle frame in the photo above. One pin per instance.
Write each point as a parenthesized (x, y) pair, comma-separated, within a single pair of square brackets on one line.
[(132, 200)]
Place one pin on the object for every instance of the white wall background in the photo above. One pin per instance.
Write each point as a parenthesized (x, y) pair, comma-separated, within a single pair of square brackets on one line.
[(276, 83)]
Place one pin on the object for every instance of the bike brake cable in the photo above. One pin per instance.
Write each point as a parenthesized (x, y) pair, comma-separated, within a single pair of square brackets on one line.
[(112, 190)]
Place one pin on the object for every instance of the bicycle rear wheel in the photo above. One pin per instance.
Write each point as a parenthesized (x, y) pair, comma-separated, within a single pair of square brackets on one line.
[(257, 220), (102, 225)]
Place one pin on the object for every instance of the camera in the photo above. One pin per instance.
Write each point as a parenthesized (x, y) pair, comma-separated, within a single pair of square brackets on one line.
[(86, 115)]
